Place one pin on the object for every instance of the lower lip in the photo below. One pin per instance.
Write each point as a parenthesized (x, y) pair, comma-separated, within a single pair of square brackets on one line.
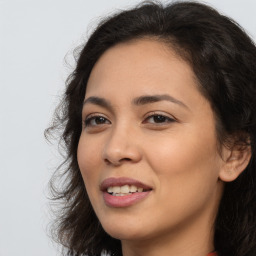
[(124, 201)]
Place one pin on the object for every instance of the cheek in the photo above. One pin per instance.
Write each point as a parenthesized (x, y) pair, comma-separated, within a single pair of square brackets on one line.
[(181, 152), (187, 177), (186, 162), (88, 161), (88, 155)]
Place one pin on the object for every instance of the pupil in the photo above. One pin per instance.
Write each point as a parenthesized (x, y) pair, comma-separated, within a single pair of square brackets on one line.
[(100, 120), (159, 119)]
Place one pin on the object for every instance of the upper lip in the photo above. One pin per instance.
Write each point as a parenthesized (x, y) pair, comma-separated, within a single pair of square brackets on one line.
[(112, 182)]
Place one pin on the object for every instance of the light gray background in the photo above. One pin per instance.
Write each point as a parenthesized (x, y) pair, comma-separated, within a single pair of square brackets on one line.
[(35, 36)]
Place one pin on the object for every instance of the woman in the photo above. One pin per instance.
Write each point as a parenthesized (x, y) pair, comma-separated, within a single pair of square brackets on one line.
[(159, 128)]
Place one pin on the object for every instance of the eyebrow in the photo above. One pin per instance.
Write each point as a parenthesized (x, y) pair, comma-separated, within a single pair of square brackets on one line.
[(98, 101), (142, 100), (147, 99)]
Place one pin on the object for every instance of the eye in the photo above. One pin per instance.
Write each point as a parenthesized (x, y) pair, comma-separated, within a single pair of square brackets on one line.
[(158, 119), (95, 120)]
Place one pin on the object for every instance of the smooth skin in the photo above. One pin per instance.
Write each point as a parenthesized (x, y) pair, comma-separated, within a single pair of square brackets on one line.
[(170, 145)]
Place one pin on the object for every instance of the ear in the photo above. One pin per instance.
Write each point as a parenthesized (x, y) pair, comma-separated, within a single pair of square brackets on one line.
[(235, 160)]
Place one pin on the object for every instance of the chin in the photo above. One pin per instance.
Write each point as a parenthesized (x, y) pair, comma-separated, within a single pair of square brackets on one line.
[(124, 231)]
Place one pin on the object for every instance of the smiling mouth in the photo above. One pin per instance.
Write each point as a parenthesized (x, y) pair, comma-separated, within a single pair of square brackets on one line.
[(119, 192), (125, 190)]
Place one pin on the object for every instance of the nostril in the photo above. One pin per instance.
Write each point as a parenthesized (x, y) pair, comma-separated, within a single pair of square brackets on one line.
[(125, 159), (117, 153), (107, 161), (118, 162)]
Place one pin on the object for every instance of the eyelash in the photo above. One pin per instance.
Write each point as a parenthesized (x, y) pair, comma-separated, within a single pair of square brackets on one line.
[(90, 118), (164, 119)]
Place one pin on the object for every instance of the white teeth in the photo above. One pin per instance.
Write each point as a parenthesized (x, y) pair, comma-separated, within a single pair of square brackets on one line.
[(122, 194), (123, 190), (116, 190), (110, 189), (133, 188)]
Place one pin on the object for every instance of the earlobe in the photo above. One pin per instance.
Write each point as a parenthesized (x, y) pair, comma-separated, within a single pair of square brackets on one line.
[(235, 162)]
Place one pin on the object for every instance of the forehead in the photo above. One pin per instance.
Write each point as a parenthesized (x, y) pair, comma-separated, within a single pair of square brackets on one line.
[(143, 66)]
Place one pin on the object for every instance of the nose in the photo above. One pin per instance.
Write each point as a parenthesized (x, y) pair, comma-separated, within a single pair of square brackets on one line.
[(122, 146)]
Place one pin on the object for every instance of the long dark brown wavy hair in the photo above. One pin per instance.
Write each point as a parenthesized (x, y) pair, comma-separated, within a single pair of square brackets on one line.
[(223, 58)]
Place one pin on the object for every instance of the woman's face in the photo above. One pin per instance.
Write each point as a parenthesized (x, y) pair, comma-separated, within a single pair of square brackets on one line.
[(148, 149)]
